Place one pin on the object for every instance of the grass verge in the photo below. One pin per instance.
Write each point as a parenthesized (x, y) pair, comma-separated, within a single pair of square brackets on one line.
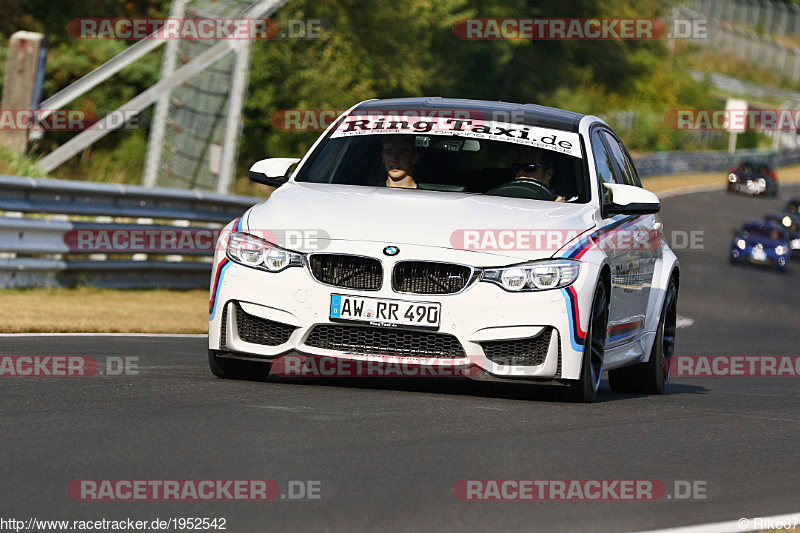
[(94, 310)]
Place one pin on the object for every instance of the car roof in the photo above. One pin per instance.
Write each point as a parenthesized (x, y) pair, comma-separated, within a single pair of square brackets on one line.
[(757, 222), (766, 224), (754, 163), (527, 114)]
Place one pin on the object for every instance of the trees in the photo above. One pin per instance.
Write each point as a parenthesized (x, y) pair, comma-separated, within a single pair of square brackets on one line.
[(384, 49)]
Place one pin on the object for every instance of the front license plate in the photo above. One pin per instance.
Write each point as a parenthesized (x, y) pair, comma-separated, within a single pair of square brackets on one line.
[(384, 312), (758, 255)]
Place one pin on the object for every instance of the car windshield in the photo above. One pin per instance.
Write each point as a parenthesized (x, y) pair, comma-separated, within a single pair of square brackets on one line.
[(750, 167), (454, 163), (760, 232)]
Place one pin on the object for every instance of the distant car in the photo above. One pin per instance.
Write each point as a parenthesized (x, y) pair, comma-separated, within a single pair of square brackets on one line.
[(791, 223), (761, 242), (753, 178)]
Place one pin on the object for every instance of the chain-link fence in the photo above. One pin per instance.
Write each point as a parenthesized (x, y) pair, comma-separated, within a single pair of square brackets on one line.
[(192, 148), (762, 16), (752, 31)]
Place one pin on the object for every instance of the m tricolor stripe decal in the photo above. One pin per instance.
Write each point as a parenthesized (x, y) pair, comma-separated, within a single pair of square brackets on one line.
[(221, 269), (576, 251), (583, 245), (577, 335)]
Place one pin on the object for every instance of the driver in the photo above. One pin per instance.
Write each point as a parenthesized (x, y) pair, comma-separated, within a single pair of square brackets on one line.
[(536, 165), (399, 157)]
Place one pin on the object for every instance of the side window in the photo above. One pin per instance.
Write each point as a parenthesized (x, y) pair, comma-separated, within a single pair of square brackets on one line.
[(629, 162), (625, 170), (603, 164)]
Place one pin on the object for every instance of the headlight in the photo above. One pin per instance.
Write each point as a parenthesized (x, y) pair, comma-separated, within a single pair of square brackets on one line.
[(787, 221), (253, 252), (732, 178), (741, 244), (795, 244), (537, 276), (781, 250), (762, 182)]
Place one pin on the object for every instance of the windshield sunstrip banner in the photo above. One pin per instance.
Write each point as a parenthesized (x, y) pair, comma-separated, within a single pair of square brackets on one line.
[(564, 142)]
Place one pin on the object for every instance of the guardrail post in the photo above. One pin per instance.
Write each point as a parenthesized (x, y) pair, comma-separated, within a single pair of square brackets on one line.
[(742, 12), (20, 83), (768, 16), (783, 19), (781, 62)]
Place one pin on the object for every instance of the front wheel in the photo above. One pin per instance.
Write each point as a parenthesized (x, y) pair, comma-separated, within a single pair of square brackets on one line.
[(228, 368), (652, 377), (585, 388)]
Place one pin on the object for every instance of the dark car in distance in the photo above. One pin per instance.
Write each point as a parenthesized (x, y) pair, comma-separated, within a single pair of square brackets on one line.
[(754, 178)]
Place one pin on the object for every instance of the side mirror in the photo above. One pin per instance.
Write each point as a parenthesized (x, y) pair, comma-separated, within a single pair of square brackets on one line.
[(273, 171), (630, 200)]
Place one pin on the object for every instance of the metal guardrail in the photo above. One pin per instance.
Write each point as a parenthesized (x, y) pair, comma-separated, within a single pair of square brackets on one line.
[(708, 161), (39, 195), (745, 88), (43, 218), (738, 38)]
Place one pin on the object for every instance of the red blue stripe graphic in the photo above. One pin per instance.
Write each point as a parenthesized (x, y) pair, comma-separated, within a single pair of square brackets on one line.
[(221, 269), (577, 337), (619, 331), (583, 245), (576, 251)]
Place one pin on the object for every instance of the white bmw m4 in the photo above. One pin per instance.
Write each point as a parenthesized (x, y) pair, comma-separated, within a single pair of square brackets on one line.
[(509, 242)]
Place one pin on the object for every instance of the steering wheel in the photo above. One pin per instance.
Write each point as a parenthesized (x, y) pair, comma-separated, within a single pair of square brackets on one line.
[(522, 188)]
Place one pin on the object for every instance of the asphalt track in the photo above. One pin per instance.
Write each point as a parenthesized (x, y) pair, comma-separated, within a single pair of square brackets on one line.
[(388, 452)]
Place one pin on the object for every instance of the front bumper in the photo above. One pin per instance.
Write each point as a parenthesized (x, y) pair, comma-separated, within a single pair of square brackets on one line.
[(484, 319), (770, 259), (749, 187)]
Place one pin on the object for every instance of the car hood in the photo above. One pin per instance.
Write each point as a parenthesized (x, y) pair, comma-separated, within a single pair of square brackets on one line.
[(424, 218)]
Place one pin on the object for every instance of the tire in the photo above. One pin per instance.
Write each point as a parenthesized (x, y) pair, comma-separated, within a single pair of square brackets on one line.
[(584, 390), (227, 368), (652, 377)]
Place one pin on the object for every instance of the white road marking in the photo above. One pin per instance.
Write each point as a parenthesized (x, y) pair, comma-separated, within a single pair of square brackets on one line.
[(733, 526), (293, 409), (683, 322)]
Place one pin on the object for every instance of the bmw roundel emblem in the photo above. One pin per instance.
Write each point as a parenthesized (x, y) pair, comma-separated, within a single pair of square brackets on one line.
[(391, 250)]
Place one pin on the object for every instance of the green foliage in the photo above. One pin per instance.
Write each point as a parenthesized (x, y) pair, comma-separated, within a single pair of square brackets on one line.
[(378, 49), (14, 164)]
